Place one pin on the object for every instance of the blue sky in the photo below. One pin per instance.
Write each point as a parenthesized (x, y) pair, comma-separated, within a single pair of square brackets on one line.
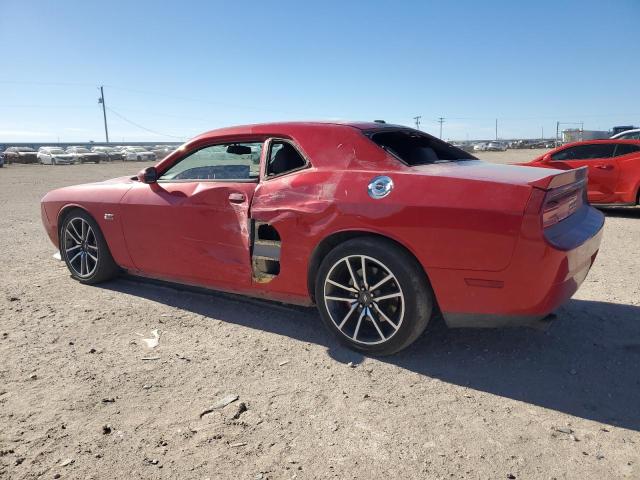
[(172, 70)]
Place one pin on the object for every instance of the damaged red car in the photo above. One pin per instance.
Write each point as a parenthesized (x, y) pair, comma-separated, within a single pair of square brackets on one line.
[(381, 226)]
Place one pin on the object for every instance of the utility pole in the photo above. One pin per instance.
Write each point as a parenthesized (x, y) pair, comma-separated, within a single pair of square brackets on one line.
[(104, 112), (557, 131), (417, 119), (440, 121), (542, 133), (496, 129)]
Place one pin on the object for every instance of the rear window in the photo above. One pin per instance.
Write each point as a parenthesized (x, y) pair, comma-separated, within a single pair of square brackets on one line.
[(415, 148)]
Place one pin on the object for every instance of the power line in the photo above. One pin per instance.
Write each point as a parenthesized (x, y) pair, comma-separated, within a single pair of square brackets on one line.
[(207, 101), (140, 126)]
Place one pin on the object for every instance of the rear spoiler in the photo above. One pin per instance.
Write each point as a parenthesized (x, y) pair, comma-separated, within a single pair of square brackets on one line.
[(561, 179)]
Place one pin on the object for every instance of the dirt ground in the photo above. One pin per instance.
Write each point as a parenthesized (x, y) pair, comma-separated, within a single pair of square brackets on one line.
[(81, 397)]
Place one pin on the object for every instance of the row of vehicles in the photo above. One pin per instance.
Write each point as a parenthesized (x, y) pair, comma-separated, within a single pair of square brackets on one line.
[(55, 155)]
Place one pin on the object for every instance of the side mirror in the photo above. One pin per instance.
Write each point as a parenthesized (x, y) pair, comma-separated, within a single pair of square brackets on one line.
[(148, 175)]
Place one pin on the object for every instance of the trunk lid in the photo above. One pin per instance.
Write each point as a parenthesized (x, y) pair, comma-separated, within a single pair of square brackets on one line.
[(542, 178)]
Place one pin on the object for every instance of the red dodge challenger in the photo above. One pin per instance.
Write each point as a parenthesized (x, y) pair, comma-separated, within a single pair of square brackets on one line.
[(381, 226), (614, 168)]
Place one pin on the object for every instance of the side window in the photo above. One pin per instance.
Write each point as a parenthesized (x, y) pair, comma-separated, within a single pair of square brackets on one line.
[(283, 157), (585, 152), (626, 149), (231, 161)]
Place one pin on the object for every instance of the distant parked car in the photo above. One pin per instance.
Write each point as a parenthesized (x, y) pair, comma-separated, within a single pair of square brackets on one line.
[(127, 155), (20, 155), (141, 154), (161, 151), (622, 129), (84, 155), (1, 159), (614, 168), (496, 147), (628, 135), (110, 152), (55, 156), (480, 147)]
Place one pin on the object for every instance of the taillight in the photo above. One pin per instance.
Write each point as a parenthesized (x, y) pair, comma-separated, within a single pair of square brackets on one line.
[(562, 202)]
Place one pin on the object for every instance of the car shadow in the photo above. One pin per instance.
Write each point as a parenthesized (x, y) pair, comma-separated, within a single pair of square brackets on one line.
[(621, 212), (586, 364)]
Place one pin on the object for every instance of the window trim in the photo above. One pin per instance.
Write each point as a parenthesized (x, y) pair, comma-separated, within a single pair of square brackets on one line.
[(270, 141), (213, 180)]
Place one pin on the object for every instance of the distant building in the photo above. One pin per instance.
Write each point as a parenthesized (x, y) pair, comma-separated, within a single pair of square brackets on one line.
[(577, 135)]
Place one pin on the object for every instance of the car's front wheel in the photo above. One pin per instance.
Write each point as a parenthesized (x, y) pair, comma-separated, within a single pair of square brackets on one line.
[(373, 295), (85, 250)]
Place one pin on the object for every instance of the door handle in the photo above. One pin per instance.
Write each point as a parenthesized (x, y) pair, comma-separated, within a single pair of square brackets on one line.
[(237, 197), (605, 167)]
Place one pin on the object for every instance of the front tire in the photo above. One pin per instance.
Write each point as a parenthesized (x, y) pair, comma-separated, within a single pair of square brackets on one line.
[(373, 295), (85, 250)]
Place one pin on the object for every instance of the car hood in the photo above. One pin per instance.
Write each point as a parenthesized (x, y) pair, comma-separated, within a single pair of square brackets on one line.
[(108, 191), (493, 172)]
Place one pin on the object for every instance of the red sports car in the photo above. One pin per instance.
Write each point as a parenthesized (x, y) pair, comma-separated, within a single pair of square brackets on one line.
[(614, 168), (380, 226)]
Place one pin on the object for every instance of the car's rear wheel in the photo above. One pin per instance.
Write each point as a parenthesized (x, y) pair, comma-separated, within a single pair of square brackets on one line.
[(85, 250), (373, 295)]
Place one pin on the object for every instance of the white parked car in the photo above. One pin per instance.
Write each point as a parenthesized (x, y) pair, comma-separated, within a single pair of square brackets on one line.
[(139, 154), (110, 152), (83, 155), (480, 147), (629, 134), (496, 147), (54, 156)]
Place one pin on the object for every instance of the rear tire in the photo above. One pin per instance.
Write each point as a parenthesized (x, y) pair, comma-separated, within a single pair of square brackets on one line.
[(382, 311), (84, 249)]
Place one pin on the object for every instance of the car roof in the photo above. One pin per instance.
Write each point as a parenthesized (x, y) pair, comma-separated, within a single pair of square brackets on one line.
[(602, 141), (285, 127), (618, 135)]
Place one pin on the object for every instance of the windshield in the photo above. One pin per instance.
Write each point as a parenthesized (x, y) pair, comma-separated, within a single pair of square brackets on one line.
[(416, 148), (56, 150), (137, 149)]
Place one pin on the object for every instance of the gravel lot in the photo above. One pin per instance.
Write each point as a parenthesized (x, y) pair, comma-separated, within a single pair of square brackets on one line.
[(79, 400)]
